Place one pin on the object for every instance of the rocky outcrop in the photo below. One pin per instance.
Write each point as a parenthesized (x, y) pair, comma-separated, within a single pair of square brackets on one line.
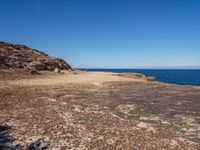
[(137, 76), (22, 57)]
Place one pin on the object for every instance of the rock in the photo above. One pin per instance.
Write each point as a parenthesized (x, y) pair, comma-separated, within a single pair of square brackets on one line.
[(4, 137), (33, 70), (57, 70), (38, 65), (132, 75), (37, 145), (151, 78), (13, 56)]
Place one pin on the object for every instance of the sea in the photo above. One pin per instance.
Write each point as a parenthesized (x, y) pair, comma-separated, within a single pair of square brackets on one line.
[(174, 76)]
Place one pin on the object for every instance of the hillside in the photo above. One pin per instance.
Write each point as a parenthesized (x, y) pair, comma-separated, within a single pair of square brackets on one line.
[(18, 56)]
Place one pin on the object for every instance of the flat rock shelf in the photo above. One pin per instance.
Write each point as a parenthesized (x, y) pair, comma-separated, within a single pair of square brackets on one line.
[(90, 110)]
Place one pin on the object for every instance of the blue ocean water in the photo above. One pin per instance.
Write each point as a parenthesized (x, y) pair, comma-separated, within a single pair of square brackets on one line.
[(175, 76)]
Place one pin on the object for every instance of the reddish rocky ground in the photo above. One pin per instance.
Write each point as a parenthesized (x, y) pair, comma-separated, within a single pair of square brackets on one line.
[(96, 111)]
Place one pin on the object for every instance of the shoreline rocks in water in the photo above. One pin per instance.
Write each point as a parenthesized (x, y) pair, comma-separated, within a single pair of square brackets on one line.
[(137, 76)]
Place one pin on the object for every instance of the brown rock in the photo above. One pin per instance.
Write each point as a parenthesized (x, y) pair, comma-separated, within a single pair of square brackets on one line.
[(151, 78), (33, 70), (57, 70), (22, 57), (38, 65)]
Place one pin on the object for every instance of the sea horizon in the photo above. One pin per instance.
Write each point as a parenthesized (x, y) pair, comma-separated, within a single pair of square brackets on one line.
[(195, 68)]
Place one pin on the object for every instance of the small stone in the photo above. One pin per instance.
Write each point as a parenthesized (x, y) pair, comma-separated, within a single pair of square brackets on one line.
[(57, 70)]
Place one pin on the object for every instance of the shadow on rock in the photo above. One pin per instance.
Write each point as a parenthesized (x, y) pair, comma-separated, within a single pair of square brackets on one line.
[(6, 141), (37, 145), (5, 138)]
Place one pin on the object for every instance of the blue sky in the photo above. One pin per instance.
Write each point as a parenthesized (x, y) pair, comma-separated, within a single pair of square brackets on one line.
[(107, 33)]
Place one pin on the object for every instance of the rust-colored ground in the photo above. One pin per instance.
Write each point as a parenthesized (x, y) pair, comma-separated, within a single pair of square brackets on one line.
[(86, 110)]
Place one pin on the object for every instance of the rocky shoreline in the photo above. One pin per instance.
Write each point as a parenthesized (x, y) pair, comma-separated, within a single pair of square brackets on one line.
[(44, 104), (90, 110)]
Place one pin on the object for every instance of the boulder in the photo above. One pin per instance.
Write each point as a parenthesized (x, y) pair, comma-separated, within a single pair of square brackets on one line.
[(151, 78), (57, 70), (37, 65), (33, 70)]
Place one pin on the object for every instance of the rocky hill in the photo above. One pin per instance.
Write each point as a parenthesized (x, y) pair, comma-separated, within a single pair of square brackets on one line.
[(18, 56)]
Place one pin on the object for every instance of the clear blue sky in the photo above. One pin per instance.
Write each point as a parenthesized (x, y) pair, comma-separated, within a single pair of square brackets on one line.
[(107, 33)]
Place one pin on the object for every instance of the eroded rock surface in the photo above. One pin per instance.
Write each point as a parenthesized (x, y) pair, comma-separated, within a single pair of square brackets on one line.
[(99, 111), (22, 57)]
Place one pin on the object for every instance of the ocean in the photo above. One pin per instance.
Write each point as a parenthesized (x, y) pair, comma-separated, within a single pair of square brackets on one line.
[(175, 76)]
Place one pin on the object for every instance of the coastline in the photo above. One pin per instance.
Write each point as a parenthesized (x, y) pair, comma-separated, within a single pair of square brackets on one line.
[(59, 110), (174, 76)]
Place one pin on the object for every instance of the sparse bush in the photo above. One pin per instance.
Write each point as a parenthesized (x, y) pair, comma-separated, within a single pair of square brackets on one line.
[(139, 75), (151, 78)]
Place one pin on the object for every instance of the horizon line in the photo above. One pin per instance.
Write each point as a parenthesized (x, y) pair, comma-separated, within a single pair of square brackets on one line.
[(177, 67)]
